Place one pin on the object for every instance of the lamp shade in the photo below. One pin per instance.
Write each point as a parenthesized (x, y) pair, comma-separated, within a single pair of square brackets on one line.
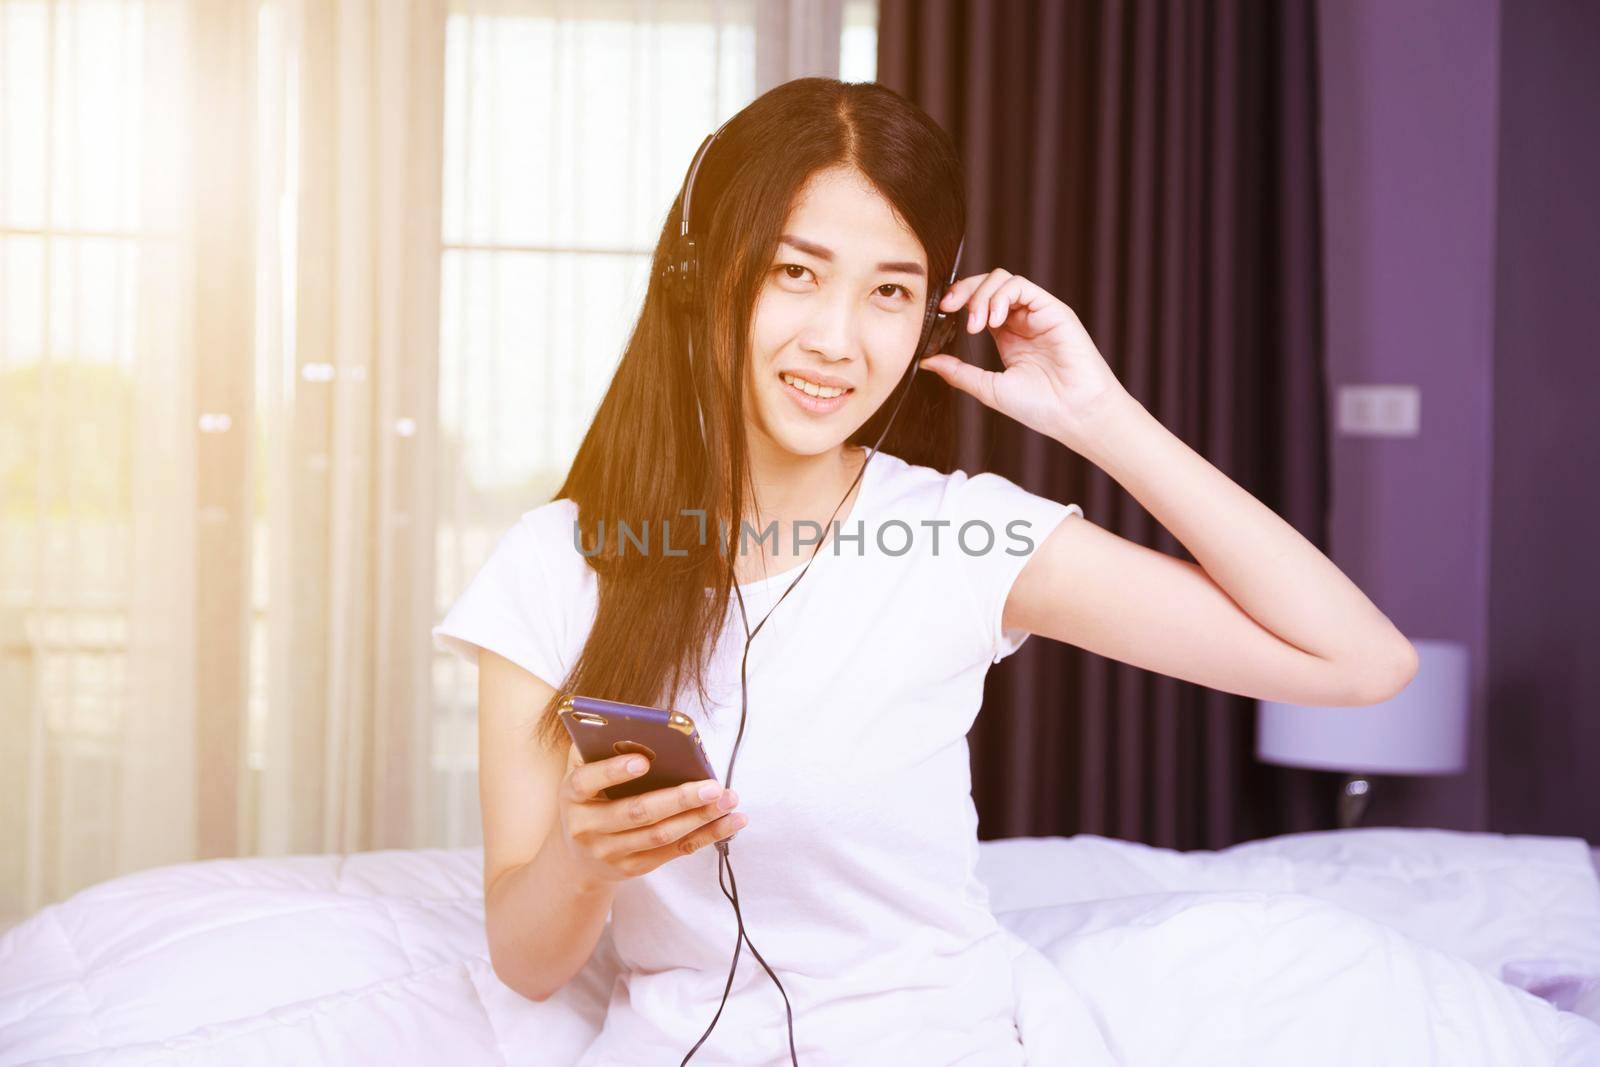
[(1420, 730)]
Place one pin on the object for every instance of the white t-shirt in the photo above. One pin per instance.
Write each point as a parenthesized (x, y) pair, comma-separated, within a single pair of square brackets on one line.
[(856, 873)]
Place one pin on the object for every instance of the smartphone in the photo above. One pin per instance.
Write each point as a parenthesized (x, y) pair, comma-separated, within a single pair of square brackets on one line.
[(668, 739)]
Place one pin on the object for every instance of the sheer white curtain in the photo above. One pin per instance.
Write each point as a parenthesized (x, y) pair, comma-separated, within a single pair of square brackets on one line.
[(218, 327), (98, 446), (302, 302)]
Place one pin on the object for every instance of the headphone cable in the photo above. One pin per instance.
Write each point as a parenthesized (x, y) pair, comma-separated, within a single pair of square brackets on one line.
[(724, 862)]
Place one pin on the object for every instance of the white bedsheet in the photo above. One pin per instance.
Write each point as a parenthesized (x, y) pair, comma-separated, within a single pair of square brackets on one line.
[(1373, 946)]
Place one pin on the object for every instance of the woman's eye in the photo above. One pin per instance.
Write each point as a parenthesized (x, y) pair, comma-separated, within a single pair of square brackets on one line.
[(795, 272)]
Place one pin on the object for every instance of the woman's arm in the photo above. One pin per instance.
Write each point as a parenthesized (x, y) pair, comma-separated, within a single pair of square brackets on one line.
[(1264, 615), (542, 920)]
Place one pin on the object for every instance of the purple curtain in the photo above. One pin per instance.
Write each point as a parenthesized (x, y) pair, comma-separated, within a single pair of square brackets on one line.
[(1153, 164)]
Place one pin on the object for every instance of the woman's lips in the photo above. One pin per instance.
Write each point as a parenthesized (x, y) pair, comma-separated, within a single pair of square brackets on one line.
[(816, 405)]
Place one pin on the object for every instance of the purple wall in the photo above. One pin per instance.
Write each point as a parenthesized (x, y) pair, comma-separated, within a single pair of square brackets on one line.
[(1460, 163), (1544, 585), (1409, 128)]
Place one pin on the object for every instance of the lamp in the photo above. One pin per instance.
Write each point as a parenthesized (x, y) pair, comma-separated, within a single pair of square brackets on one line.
[(1420, 730)]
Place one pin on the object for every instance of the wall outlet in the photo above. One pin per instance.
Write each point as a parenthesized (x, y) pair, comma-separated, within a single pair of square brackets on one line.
[(1379, 410)]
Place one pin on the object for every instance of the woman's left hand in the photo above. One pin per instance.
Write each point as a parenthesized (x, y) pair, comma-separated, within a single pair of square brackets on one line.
[(1055, 380)]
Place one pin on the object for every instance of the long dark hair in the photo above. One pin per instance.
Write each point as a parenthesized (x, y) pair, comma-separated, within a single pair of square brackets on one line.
[(643, 460)]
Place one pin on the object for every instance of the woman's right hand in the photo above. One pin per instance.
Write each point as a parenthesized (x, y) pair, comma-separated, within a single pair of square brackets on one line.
[(611, 841)]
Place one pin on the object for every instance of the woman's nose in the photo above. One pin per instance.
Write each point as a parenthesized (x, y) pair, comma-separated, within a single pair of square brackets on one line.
[(831, 329)]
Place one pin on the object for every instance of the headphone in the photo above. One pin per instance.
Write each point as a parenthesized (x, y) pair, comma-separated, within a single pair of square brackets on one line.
[(680, 279)]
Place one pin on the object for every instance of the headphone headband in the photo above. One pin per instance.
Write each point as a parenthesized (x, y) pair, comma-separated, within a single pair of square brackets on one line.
[(683, 264), (694, 170)]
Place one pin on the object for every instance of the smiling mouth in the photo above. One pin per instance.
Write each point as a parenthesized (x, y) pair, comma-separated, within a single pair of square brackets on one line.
[(822, 396)]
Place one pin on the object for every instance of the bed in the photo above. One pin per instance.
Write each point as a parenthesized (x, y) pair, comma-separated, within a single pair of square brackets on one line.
[(1372, 946)]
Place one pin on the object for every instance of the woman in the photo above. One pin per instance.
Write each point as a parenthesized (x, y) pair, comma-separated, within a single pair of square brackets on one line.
[(824, 214)]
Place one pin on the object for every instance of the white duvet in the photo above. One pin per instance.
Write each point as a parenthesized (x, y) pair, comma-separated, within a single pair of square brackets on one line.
[(1375, 946)]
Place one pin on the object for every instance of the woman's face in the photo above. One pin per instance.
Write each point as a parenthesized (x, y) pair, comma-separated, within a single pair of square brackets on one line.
[(841, 306)]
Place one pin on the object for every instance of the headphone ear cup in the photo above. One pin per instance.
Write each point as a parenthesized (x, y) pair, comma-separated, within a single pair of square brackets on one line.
[(679, 274), (689, 273), (942, 333), (930, 319)]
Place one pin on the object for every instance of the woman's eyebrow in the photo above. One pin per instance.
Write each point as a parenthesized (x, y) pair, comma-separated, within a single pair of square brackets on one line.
[(811, 248)]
